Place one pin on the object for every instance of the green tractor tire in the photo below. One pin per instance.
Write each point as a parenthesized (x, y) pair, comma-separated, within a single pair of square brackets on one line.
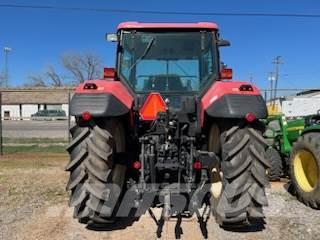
[(305, 169), (275, 171)]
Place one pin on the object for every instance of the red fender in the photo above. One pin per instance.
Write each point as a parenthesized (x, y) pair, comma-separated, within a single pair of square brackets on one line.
[(116, 88), (222, 88)]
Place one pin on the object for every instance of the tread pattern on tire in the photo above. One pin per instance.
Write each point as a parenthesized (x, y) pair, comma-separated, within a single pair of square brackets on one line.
[(244, 178), (276, 166), (310, 141), (93, 195)]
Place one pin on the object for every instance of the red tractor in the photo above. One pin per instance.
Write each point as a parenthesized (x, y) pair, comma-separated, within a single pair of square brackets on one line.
[(166, 127)]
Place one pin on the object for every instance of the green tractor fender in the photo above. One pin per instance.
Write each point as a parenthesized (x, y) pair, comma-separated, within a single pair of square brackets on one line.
[(314, 128)]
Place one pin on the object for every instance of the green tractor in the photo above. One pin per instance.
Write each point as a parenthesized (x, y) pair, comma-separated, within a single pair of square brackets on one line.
[(281, 134), (304, 163), (295, 152)]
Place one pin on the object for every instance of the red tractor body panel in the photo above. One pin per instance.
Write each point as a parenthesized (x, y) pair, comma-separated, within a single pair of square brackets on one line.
[(116, 88), (137, 25), (222, 89)]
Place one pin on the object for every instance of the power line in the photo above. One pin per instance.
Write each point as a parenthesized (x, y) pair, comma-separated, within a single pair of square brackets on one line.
[(114, 10)]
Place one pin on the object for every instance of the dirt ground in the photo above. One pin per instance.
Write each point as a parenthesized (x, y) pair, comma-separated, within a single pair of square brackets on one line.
[(33, 205)]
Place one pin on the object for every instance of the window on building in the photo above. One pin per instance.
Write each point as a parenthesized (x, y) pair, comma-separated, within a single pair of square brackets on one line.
[(6, 115)]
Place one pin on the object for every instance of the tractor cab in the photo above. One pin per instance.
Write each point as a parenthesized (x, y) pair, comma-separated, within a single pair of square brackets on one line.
[(167, 58), (178, 61)]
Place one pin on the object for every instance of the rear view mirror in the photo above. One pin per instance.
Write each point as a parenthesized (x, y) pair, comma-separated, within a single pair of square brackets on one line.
[(223, 43), (112, 37)]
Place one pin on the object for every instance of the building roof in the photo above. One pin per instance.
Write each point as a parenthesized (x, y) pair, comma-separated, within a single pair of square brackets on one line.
[(35, 96), (138, 25), (307, 92)]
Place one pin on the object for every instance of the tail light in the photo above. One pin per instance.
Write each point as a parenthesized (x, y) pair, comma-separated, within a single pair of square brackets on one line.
[(136, 165), (250, 117), (197, 165), (86, 116)]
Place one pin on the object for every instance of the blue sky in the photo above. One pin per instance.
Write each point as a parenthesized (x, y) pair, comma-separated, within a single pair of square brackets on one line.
[(39, 37)]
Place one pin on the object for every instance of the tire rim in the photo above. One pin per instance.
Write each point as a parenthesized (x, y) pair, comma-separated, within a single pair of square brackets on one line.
[(306, 170)]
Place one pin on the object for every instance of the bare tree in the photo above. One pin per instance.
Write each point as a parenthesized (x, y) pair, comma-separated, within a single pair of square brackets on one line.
[(36, 80), (82, 66), (55, 79)]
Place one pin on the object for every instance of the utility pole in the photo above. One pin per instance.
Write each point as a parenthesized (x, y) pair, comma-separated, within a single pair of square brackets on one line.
[(6, 68), (271, 78), (276, 61), (251, 77)]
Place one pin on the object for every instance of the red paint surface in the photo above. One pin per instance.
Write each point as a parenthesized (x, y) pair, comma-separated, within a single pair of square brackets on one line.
[(115, 88), (138, 25), (221, 88)]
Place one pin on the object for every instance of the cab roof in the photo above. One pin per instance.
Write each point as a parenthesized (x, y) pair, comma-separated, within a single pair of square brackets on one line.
[(138, 25)]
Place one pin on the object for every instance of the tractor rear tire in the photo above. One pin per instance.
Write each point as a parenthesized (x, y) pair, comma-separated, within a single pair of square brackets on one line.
[(243, 177), (305, 169), (276, 169), (96, 182)]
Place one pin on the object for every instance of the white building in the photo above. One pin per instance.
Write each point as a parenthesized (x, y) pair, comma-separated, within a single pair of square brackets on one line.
[(18, 104), (303, 104)]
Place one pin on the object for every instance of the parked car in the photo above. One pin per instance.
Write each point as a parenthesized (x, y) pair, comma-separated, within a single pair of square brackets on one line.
[(49, 115)]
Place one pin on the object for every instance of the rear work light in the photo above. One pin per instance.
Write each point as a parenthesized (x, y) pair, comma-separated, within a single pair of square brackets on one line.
[(246, 87), (90, 86), (86, 116)]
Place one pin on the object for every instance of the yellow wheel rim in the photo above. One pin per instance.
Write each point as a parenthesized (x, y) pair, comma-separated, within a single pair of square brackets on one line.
[(306, 170)]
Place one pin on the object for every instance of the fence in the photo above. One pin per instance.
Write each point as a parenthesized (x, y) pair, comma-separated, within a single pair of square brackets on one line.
[(34, 120)]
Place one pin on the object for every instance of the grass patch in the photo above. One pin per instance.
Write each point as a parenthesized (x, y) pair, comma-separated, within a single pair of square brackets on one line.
[(37, 145), (33, 161), (34, 149), (34, 140), (29, 180)]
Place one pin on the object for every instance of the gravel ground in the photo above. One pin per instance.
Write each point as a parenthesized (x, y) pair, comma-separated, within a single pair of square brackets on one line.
[(33, 205)]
